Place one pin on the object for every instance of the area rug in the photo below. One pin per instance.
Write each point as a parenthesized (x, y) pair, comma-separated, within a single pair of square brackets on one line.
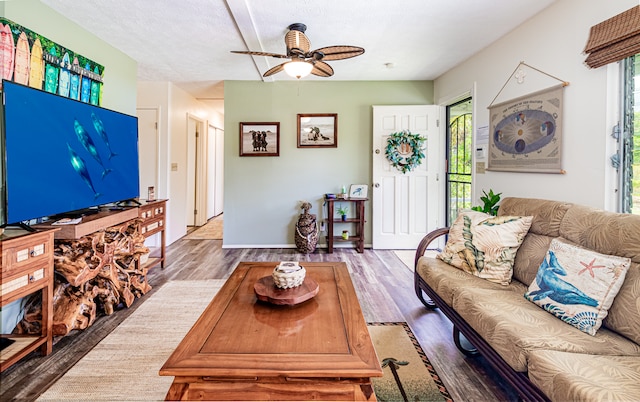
[(124, 366), (408, 373), (408, 256), (212, 230)]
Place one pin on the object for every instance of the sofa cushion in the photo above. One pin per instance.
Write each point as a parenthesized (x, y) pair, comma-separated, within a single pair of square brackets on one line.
[(485, 245), (545, 226), (529, 257), (547, 214), (445, 279), (514, 327), (577, 285), (617, 234), (566, 376)]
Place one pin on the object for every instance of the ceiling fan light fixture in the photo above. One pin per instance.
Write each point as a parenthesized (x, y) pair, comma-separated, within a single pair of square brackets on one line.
[(298, 69), (303, 61)]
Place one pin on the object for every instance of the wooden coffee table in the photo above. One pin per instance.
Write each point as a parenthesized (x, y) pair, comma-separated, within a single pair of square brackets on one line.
[(245, 349)]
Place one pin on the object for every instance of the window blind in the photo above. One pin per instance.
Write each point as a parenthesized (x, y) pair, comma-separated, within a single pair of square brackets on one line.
[(614, 39)]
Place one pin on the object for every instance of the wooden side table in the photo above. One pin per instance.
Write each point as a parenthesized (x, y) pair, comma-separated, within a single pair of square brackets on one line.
[(356, 220), (153, 214), (27, 267)]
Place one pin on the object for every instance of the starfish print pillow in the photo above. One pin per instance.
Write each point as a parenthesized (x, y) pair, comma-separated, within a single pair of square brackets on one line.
[(578, 285)]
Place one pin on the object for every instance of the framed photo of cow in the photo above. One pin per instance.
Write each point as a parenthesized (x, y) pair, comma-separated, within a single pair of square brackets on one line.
[(260, 139), (318, 130)]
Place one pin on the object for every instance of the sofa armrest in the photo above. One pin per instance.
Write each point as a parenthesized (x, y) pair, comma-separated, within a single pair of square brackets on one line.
[(426, 240)]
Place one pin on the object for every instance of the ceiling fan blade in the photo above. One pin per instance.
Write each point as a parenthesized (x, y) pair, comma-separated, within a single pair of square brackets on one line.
[(322, 69), (297, 40), (340, 52), (280, 56), (274, 70)]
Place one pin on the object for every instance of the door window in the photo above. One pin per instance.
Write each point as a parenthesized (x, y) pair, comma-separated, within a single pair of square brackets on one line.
[(459, 158)]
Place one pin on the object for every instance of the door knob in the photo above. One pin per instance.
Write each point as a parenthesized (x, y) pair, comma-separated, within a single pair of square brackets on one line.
[(377, 151), (376, 185)]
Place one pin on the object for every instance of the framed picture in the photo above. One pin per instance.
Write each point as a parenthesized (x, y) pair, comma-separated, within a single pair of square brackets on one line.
[(358, 191), (259, 139), (318, 130)]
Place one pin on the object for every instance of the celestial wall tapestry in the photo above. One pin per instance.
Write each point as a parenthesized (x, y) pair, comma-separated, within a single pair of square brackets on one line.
[(526, 133)]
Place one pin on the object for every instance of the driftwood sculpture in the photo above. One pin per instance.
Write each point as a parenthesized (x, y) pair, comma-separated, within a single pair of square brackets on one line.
[(95, 275)]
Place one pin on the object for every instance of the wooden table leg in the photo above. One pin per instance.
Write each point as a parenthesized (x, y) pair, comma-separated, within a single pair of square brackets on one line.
[(177, 392)]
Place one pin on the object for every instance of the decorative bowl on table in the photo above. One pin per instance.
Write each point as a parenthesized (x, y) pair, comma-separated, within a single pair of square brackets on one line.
[(288, 275)]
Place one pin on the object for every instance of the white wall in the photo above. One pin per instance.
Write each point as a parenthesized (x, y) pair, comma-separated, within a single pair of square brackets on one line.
[(551, 41), (174, 105)]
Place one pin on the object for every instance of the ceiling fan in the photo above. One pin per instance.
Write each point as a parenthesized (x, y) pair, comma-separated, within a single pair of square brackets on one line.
[(303, 61)]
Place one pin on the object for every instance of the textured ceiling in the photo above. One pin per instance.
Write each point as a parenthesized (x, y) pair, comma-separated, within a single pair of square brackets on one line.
[(188, 42)]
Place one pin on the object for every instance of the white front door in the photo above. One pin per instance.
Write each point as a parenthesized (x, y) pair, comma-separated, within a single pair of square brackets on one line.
[(406, 206)]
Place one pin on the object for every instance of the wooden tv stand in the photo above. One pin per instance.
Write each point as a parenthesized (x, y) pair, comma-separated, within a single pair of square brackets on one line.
[(153, 221), (91, 223)]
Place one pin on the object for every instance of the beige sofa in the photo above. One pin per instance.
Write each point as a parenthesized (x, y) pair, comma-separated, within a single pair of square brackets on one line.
[(541, 356)]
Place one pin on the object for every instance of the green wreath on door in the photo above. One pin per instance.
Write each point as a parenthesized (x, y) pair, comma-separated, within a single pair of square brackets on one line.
[(404, 150)]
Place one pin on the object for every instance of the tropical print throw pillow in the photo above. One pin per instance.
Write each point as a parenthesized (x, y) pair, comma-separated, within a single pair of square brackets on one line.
[(485, 245), (578, 285)]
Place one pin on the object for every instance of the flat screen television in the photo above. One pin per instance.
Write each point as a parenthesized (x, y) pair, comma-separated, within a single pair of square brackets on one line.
[(62, 155)]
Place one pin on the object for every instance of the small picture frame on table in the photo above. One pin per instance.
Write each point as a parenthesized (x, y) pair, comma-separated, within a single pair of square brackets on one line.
[(318, 130), (357, 191), (260, 139)]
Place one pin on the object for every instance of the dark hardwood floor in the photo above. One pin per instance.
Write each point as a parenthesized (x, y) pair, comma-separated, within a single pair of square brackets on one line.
[(385, 290)]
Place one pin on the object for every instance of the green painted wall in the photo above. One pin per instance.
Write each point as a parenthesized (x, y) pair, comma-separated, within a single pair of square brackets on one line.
[(262, 194)]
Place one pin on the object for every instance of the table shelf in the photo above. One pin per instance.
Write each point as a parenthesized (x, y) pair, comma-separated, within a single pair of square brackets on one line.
[(357, 222)]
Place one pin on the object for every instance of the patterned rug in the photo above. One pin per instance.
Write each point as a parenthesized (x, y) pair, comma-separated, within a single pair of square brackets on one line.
[(212, 230), (408, 373), (124, 366)]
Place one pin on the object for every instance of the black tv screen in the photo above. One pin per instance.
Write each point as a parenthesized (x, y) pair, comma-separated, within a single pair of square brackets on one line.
[(63, 155)]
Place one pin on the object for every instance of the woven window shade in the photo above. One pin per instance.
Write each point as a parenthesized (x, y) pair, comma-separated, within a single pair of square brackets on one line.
[(614, 39)]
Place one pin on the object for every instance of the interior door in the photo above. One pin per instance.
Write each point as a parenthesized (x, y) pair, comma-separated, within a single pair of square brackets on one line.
[(219, 192), (192, 127), (406, 206), (211, 172), (148, 145), (196, 171), (149, 161)]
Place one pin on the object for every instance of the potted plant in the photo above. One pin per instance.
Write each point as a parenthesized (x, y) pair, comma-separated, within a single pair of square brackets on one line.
[(343, 211), (490, 203)]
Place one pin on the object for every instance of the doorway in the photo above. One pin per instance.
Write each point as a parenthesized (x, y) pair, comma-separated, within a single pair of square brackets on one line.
[(406, 205), (215, 176), (459, 158), (149, 165), (196, 202)]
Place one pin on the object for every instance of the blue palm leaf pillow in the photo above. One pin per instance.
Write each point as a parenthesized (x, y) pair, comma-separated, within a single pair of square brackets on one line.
[(578, 285)]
